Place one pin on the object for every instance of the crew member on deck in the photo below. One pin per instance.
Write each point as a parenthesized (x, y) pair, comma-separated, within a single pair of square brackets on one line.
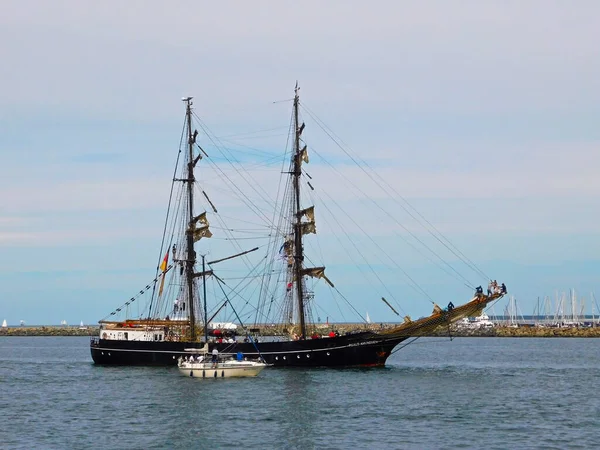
[(215, 356)]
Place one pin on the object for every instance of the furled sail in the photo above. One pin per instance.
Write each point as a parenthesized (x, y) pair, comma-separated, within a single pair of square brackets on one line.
[(316, 272), (309, 213), (202, 231), (304, 154), (308, 228)]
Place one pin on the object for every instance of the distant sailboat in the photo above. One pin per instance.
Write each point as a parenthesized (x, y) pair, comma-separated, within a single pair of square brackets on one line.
[(4, 324), (63, 322), (367, 318), (82, 326), (22, 323)]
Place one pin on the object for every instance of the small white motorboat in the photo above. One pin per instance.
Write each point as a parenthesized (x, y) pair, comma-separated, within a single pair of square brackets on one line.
[(199, 365)]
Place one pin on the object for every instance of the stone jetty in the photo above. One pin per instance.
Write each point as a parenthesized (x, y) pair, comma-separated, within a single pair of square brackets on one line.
[(63, 330), (342, 328)]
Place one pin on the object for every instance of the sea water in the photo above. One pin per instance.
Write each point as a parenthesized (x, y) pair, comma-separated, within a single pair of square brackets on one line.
[(493, 393)]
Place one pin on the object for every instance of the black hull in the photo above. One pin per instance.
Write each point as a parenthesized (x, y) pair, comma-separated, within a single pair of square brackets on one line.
[(361, 349)]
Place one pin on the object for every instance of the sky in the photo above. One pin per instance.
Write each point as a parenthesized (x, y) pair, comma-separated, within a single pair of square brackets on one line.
[(484, 115)]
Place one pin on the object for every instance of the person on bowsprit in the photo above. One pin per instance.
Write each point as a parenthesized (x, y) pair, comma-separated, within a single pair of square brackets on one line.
[(503, 289), (215, 357), (450, 306)]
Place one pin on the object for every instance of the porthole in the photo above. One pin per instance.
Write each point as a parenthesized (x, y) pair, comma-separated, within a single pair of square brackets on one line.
[(298, 356), (284, 357), (328, 353), (276, 358), (308, 356)]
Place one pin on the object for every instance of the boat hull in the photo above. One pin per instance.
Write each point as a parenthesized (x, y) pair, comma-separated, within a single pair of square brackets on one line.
[(354, 350), (237, 370)]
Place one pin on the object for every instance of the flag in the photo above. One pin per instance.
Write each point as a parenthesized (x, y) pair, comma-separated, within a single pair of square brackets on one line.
[(163, 267)]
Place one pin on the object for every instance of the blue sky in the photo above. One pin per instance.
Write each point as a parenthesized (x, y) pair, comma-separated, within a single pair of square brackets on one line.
[(483, 114)]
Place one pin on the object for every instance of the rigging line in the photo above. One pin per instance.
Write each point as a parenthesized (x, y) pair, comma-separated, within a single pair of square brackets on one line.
[(234, 288), (251, 132), (241, 194), (347, 301), (331, 135), (246, 221), (231, 237), (384, 285), (160, 256), (415, 285), (239, 230), (221, 150), (263, 136), (172, 227), (252, 163), (401, 347), (264, 286), (238, 317), (461, 277), (448, 244), (263, 163), (339, 225)]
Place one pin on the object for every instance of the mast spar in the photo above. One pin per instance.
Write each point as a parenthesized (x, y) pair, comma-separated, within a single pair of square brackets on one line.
[(298, 249), (191, 254)]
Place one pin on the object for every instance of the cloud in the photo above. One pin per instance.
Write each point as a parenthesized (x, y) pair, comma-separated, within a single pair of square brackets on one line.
[(482, 115)]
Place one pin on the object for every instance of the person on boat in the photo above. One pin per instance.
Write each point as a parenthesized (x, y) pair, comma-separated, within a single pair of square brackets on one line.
[(215, 356), (332, 333), (478, 290), (503, 289), (490, 288), (450, 306)]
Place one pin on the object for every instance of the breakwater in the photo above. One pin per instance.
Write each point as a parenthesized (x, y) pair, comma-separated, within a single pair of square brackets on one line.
[(279, 330), (50, 331)]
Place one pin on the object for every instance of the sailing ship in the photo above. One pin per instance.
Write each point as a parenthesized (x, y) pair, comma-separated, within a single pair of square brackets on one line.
[(176, 317)]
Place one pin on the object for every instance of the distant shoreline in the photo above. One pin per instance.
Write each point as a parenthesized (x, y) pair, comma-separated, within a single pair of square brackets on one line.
[(497, 331)]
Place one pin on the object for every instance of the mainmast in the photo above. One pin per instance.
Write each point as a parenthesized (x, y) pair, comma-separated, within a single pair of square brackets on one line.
[(298, 249), (191, 254), (300, 227)]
